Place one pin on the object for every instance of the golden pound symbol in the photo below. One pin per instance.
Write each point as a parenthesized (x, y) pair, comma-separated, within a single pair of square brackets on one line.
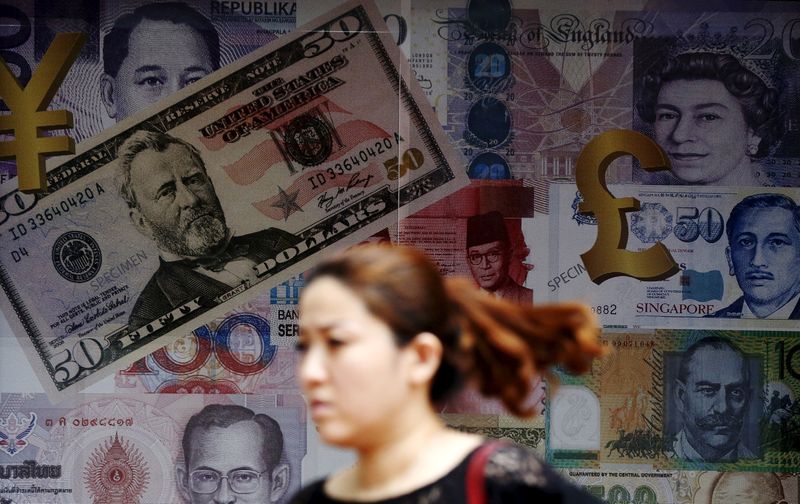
[(29, 112), (608, 258)]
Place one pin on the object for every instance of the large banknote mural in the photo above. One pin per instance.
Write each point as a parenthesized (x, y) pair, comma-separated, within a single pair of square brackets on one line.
[(297, 148), (213, 131)]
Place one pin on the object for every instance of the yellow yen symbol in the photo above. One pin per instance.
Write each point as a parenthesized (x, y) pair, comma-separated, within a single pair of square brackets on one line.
[(29, 115)]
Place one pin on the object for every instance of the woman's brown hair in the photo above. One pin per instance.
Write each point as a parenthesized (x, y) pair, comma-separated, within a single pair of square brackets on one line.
[(500, 345)]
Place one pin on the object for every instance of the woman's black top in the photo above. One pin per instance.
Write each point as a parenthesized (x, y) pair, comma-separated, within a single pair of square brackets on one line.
[(512, 474)]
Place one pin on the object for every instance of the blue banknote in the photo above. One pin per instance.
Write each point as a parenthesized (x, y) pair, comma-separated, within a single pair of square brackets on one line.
[(736, 253)]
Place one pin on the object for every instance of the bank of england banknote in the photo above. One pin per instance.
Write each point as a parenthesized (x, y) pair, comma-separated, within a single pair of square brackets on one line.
[(681, 399), (618, 486), (118, 73), (528, 87), (717, 133), (227, 189), (735, 253), (642, 487), (103, 448), (526, 91)]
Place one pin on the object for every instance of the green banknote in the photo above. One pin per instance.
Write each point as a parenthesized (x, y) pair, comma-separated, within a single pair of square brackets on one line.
[(682, 399)]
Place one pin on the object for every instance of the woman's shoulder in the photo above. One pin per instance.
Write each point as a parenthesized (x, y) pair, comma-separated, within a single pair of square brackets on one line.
[(510, 474), (313, 492), (514, 473)]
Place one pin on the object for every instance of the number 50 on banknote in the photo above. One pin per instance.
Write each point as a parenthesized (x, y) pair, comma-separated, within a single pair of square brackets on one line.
[(185, 211)]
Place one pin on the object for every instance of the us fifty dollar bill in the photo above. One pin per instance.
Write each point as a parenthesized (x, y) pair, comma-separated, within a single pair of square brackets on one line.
[(235, 184)]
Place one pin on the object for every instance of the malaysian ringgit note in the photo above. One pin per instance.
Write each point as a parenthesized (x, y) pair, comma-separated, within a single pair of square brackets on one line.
[(737, 255), (129, 448), (682, 399), (228, 188)]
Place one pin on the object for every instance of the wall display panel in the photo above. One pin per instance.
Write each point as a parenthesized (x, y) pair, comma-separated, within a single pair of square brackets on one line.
[(474, 129)]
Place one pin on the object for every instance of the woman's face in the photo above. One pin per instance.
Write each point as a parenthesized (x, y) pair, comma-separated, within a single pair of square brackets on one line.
[(702, 128), (351, 370)]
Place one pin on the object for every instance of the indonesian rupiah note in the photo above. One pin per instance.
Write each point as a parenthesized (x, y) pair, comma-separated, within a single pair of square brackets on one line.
[(103, 446), (732, 270), (470, 220), (238, 181), (681, 399), (137, 51)]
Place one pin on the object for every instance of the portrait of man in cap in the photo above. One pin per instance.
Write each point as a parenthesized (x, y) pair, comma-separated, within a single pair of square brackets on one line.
[(489, 257)]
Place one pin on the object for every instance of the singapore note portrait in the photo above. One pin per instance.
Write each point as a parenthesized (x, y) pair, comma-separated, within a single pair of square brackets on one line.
[(192, 207)]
